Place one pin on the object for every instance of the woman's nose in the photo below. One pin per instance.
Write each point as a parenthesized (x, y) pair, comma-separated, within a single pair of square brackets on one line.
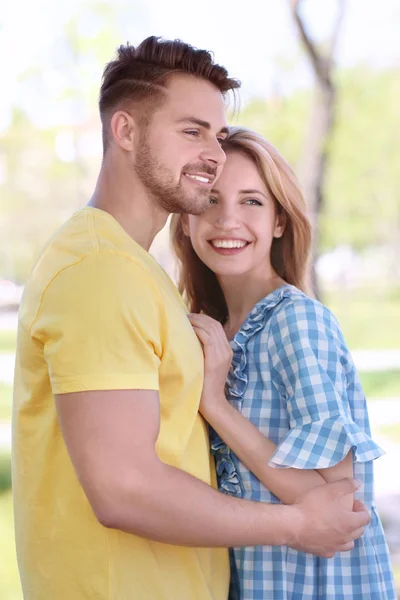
[(227, 220)]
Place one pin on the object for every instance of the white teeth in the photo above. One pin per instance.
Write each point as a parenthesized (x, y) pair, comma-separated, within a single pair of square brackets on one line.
[(228, 243), (198, 178)]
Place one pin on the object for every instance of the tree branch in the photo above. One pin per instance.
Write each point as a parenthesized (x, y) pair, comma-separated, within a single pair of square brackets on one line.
[(310, 46), (321, 62), (336, 29)]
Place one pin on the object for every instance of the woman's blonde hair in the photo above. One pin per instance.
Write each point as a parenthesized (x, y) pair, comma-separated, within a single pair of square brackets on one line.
[(289, 253)]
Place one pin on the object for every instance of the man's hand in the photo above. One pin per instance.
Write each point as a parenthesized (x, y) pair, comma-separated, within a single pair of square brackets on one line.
[(323, 525)]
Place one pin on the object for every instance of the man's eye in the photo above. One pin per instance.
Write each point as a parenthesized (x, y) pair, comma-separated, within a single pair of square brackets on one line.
[(193, 132), (213, 200), (253, 202), (221, 140)]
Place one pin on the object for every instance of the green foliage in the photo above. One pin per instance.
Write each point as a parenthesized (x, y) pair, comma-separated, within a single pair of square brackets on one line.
[(282, 121), (368, 317), (5, 402), (5, 471), (391, 431), (8, 340), (381, 384), (362, 188)]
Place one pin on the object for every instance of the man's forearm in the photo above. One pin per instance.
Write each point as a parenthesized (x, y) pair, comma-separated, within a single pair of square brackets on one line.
[(173, 507)]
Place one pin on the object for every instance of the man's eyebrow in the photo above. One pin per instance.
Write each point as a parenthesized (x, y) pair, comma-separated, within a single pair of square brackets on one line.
[(201, 123)]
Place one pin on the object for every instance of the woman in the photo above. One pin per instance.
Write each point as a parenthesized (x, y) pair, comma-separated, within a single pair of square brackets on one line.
[(293, 414)]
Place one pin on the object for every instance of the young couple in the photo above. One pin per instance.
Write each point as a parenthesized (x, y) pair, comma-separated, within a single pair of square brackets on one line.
[(113, 478)]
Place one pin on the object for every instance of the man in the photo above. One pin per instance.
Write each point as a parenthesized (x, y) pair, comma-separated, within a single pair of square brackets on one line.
[(111, 462)]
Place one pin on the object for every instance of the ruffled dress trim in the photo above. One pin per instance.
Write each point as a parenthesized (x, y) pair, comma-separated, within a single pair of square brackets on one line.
[(236, 385), (322, 444)]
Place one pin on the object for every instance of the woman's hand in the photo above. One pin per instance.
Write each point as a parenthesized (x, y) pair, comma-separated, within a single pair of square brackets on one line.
[(217, 361)]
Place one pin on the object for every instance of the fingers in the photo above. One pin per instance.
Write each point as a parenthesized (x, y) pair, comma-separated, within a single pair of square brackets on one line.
[(340, 548), (359, 506), (345, 547), (210, 325), (214, 334), (357, 533), (343, 487), (202, 334), (360, 519)]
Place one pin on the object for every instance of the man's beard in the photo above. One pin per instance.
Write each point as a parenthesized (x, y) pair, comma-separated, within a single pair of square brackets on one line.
[(159, 181)]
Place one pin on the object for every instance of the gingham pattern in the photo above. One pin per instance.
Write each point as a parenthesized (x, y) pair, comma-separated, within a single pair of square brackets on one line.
[(293, 377)]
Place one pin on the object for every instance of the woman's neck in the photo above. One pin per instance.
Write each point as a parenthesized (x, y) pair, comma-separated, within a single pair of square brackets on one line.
[(242, 294)]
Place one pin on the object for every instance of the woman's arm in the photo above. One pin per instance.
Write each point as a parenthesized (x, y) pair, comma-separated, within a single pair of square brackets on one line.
[(246, 441), (255, 450)]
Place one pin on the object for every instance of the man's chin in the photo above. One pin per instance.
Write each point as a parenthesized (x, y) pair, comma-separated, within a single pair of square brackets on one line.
[(199, 204)]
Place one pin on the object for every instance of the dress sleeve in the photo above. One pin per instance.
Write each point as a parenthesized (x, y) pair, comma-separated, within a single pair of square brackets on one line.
[(310, 369), (99, 322)]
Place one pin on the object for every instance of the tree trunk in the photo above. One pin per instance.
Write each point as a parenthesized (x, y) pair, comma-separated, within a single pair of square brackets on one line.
[(316, 152), (313, 166)]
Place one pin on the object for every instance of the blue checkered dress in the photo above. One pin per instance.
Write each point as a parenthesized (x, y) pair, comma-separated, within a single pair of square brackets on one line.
[(293, 377)]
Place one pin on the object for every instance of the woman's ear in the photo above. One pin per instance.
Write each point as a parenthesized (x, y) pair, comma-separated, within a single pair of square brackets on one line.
[(280, 224)]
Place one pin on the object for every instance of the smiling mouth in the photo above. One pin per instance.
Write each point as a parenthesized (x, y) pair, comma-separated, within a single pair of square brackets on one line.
[(228, 244), (204, 179)]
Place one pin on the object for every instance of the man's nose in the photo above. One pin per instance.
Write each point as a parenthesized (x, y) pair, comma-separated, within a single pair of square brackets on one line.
[(214, 154)]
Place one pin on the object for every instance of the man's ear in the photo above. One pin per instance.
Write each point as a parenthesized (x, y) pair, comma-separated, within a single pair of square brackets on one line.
[(185, 224), (280, 224), (123, 129)]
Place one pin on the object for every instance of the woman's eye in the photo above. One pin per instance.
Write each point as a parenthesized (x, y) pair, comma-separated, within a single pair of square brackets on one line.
[(253, 202)]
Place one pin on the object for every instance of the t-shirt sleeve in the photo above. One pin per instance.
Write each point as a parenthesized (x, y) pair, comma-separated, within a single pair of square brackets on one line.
[(100, 322), (309, 368)]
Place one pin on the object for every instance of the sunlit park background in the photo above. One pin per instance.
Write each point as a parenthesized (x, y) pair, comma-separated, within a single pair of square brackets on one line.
[(320, 78)]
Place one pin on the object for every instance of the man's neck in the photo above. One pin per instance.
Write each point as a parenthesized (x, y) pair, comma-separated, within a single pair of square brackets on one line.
[(123, 196)]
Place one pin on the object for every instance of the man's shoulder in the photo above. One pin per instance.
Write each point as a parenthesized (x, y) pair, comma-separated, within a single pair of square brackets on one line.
[(85, 256)]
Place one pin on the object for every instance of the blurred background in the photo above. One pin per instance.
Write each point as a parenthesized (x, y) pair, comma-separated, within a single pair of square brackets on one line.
[(321, 80)]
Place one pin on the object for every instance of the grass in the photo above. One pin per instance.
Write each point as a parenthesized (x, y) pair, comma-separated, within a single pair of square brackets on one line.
[(391, 431), (8, 340), (381, 384), (10, 588), (5, 471), (369, 318), (5, 401)]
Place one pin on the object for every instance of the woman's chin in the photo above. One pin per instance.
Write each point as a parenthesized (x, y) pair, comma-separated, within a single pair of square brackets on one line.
[(229, 272)]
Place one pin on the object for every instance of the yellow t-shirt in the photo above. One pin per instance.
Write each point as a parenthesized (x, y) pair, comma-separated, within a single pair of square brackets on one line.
[(99, 313)]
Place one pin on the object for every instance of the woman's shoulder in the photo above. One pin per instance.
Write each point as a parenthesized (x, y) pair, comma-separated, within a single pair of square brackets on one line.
[(298, 312)]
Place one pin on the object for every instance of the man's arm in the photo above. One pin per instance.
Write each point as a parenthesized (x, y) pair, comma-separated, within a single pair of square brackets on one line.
[(111, 438)]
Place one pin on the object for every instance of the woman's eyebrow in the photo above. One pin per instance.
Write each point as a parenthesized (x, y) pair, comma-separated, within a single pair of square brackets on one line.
[(253, 191)]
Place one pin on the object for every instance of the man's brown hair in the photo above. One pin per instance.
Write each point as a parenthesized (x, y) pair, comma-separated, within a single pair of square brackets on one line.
[(140, 75)]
